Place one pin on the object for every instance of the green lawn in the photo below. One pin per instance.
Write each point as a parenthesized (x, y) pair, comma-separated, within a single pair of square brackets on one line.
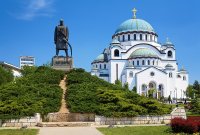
[(145, 130), (19, 131)]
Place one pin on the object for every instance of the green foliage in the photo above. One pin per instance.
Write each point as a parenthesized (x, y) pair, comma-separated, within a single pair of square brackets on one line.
[(36, 92), (190, 92), (134, 89), (151, 92), (118, 83), (196, 106), (6, 76), (126, 87), (90, 94)]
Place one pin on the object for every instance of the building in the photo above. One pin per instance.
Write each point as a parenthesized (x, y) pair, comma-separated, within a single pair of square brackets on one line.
[(135, 57), (27, 61), (16, 70)]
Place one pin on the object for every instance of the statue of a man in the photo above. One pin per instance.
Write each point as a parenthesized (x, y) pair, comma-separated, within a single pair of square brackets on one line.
[(61, 36)]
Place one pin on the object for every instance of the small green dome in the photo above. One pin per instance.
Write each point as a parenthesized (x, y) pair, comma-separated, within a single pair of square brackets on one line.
[(100, 58), (135, 25), (143, 52)]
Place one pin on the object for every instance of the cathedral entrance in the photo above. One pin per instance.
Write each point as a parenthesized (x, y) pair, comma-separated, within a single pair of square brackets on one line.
[(152, 90)]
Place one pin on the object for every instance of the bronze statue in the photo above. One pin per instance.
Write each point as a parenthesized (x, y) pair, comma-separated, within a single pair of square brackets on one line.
[(61, 37)]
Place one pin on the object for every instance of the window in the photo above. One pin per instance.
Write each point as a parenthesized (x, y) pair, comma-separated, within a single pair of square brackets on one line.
[(96, 66), (150, 37), (138, 63), (153, 62), (178, 76), (146, 37), (152, 74), (129, 37), (140, 36), (118, 38), (169, 53), (104, 66), (131, 74), (123, 38), (133, 63), (116, 53), (143, 62), (100, 66), (134, 36), (170, 75), (148, 62), (184, 78)]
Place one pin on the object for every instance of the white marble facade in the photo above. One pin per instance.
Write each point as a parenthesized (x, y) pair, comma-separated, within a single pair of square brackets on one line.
[(135, 57)]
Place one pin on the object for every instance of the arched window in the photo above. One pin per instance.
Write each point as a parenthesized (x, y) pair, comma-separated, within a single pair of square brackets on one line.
[(131, 74), (129, 37), (143, 62), (104, 66), (138, 63), (116, 53), (169, 53), (150, 37), (123, 38), (144, 89), (134, 36), (148, 62), (140, 36), (118, 38), (184, 78), (146, 37), (170, 75), (160, 91), (133, 63), (100, 66), (153, 62), (96, 66), (178, 76)]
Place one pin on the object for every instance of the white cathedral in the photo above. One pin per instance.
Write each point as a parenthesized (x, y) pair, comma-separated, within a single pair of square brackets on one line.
[(135, 57)]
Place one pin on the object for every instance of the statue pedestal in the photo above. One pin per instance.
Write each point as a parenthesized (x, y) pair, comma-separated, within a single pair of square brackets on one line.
[(62, 63)]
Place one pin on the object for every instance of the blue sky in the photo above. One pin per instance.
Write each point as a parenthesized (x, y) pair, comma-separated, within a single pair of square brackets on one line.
[(27, 28)]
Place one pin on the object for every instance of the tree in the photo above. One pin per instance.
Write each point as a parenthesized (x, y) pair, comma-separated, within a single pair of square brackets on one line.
[(126, 87), (196, 87), (190, 92), (118, 82), (169, 99), (134, 89), (27, 70), (5, 76)]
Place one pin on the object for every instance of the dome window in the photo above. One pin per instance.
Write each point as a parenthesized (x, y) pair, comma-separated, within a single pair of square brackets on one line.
[(100, 66), (123, 38), (129, 37), (133, 63), (118, 38), (104, 66), (170, 75), (116, 53), (148, 62), (138, 63), (134, 36), (140, 36), (184, 78), (143, 63), (153, 62), (146, 37), (169, 53)]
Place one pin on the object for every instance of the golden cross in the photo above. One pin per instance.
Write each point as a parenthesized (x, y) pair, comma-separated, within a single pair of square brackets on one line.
[(134, 13)]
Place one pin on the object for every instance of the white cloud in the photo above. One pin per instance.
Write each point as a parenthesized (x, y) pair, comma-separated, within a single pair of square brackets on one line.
[(36, 8)]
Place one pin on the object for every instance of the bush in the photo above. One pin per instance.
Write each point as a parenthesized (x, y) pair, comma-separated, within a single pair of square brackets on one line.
[(190, 126), (36, 92), (88, 93), (6, 76)]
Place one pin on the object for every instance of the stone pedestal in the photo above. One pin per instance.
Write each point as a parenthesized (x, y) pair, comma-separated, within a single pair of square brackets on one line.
[(62, 63)]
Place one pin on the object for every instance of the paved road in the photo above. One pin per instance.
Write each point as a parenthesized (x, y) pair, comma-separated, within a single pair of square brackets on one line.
[(69, 131)]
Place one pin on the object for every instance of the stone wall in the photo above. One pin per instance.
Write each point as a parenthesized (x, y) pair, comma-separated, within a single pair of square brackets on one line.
[(164, 119), (25, 121), (70, 117)]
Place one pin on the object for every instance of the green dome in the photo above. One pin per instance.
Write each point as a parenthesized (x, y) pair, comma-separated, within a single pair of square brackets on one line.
[(135, 25), (100, 58), (143, 52)]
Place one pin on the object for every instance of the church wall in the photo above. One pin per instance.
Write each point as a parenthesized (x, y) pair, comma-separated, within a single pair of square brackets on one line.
[(182, 85), (121, 66)]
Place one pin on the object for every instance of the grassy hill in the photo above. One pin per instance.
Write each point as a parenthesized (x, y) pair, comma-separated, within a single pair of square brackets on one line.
[(89, 94)]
